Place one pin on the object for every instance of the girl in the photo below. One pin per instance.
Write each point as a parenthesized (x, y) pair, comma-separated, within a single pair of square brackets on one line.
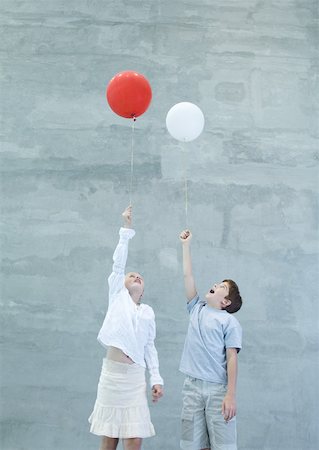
[(128, 332)]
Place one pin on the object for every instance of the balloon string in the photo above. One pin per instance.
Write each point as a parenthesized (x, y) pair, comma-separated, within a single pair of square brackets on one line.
[(132, 159), (186, 201), (186, 189)]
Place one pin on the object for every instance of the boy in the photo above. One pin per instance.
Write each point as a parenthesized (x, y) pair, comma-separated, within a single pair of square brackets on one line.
[(209, 361)]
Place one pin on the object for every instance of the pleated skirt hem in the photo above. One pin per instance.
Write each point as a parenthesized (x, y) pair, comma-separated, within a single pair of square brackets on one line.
[(121, 423)]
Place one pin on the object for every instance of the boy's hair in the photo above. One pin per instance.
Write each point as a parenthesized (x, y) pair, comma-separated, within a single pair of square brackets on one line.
[(233, 296)]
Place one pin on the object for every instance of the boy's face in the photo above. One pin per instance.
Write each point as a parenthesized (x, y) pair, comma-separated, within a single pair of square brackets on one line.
[(216, 296), (134, 282)]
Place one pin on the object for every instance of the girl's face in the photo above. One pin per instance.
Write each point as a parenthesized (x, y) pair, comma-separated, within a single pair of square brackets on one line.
[(135, 281)]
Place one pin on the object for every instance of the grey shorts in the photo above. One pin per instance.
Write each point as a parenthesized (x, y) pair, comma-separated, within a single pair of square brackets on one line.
[(203, 425)]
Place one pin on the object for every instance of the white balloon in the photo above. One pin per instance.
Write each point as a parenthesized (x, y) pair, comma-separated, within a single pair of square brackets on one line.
[(185, 121)]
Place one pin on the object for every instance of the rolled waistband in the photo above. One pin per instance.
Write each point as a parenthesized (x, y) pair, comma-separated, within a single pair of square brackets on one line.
[(119, 367)]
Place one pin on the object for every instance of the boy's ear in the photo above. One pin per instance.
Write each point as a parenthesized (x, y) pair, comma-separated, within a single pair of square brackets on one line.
[(226, 302)]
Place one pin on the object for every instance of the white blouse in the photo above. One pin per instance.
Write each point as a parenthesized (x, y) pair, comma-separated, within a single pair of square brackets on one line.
[(128, 326)]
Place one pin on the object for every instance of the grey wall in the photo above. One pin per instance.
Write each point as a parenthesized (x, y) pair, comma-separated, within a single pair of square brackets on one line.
[(253, 175)]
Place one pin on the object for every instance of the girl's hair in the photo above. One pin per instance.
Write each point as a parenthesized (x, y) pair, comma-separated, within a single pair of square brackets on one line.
[(233, 296)]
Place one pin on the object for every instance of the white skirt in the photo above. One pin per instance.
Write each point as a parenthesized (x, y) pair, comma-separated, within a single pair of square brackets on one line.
[(121, 409)]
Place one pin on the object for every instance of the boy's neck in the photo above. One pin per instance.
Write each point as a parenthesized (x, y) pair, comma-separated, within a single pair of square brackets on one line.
[(219, 308)]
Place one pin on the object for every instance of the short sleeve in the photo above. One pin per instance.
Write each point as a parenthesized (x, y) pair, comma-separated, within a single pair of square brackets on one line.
[(233, 336), (192, 303)]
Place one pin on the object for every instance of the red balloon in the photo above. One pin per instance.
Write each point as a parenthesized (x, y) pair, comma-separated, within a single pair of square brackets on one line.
[(129, 94)]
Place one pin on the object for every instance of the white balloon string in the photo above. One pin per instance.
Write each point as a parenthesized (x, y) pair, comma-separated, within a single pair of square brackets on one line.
[(132, 160), (185, 187), (186, 201)]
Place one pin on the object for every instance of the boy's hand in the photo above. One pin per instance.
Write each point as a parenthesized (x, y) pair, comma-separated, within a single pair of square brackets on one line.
[(127, 216), (185, 236), (229, 407), (157, 392)]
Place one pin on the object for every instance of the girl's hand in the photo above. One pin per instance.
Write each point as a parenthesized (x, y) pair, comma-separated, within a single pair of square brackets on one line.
[(157, 392), (127, 216)]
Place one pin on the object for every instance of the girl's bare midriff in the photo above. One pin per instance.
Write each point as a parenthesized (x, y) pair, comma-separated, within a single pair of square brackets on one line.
[(116, 354)]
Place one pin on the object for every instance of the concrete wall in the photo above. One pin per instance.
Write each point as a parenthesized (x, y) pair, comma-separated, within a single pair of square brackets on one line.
[(251, 66)]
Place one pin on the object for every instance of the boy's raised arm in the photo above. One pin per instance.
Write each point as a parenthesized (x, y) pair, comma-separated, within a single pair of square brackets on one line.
[(189, 282)]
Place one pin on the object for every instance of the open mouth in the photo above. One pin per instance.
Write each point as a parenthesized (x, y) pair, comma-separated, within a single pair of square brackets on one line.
[(212, 291)]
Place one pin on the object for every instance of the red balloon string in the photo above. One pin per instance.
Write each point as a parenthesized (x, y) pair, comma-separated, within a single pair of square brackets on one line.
[(132, 159)]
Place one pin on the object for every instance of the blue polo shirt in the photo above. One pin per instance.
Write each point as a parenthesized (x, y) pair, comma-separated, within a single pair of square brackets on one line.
[(210, 332)]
